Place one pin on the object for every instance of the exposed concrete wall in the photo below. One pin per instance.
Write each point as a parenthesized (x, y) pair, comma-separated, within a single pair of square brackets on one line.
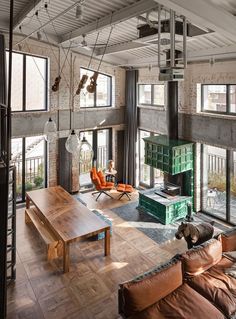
[(32, 123), (218, 130)]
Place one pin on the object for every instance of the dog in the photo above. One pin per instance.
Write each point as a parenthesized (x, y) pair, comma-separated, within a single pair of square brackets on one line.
[(195, 234)]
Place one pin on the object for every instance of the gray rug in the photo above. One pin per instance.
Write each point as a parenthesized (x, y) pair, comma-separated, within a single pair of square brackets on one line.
[(150, 226)]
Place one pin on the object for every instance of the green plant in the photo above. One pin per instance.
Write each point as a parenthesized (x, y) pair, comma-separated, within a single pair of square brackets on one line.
[(28, 186), (38, 181), (217, 181)]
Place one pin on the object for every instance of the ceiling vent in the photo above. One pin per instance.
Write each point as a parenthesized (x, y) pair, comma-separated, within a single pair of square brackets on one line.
[(149, 34)]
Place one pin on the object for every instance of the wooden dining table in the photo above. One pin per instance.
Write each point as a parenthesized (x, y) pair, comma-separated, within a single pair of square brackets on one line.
[(67, 218)]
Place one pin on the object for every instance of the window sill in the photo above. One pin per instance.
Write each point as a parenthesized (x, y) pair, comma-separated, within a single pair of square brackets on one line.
[(152, 107), (215, 115)]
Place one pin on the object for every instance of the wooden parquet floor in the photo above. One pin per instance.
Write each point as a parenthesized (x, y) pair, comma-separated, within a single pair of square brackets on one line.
[(89, 290)]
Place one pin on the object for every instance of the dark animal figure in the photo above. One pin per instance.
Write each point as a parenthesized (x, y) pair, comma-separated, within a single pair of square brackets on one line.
[(195, 234)]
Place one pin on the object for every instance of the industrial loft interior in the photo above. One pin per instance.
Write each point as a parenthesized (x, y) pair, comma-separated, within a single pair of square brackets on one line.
[(117, 159)]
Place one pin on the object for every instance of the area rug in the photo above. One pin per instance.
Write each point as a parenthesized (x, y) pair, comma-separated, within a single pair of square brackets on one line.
[(150, 226)]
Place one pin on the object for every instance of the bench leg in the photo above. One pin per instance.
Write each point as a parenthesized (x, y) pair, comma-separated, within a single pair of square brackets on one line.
[(66, 257), (107, 242), (27, 218)]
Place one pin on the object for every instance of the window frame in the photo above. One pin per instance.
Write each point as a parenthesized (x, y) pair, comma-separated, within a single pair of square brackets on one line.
[(23, 146), (228, 101), (228, 185), (95, 93), (152, 95), (95, 150), (24, 72)]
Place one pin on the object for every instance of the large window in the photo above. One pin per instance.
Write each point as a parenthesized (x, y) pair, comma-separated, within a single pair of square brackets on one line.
[(148, 176), (102, 96), (101, 141), (219, 98), (151, 94), (29, 157), (219, 182), (29, 82)]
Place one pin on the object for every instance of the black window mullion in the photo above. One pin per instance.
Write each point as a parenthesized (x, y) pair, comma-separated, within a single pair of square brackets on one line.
[(227, 99), (23, 168), (95, 97), (46, 85), (229, 158), (95, 147), (110, 144), (24, 84)]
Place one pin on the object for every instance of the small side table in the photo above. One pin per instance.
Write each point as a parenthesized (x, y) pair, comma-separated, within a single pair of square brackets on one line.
[(111, 176)]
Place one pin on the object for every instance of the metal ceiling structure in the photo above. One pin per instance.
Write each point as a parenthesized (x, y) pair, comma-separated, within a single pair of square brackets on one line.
[(125, 16)]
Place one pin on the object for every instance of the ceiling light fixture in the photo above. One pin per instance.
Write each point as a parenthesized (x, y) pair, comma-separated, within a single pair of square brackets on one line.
[(79, 12)]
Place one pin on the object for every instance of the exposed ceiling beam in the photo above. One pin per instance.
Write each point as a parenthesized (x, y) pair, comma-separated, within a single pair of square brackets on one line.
[(117, 17), (217, 53), (31, 5), (204, 14), (120, 47)]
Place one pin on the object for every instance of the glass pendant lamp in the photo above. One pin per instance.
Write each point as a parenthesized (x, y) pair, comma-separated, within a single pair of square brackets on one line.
[(50, 130), (72, 142), (85, 151)]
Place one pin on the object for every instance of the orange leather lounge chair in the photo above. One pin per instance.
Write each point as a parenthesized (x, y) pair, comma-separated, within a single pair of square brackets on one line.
[(100, 183)]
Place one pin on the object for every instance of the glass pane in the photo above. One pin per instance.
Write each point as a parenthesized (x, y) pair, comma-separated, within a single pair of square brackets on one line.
[(233, 190), (34, 163), (86, 99), (214, 98), (214, 180), (36, 83), (145, 94), (85, 168), (159, 94), (17, 81), (144, 173), (103, 90), (16, 153), (232, 90), (103, 149)]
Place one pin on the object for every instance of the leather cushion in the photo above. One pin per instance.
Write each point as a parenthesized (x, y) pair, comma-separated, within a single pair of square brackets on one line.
[(229, 240), (145, 291), (200, 258), (183, 303), (218, 288), (110, 184), (102, 178)]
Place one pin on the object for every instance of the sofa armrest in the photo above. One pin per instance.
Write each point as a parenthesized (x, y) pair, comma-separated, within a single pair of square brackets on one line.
[(228, 240), (145, 290)]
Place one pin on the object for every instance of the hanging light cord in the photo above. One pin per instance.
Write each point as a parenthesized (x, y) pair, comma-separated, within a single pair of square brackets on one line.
[(104, 51)]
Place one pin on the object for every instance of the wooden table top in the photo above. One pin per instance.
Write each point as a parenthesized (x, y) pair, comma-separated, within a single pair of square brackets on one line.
[(65, 215)]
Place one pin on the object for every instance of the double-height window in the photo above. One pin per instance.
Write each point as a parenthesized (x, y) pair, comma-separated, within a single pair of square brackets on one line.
[(29, 82), (102, 96), (218, 98), (151, 94)]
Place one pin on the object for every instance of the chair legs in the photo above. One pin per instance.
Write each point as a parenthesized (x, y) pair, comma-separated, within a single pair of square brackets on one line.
[(125, 193), (102, 192)]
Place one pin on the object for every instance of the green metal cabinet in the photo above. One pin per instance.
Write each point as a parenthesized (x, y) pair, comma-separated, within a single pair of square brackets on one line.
[(165, 210), (170, 156)]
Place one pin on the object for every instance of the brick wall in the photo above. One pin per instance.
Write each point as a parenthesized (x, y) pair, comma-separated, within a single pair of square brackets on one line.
[(29, 124)]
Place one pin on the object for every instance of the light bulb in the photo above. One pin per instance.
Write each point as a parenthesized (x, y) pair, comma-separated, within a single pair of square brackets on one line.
[(50, 130), (79, 12), (85, 151), (72, 142)]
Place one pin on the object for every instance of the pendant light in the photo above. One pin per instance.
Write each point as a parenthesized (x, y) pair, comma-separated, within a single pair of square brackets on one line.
[(72, 142), (85, 151), (50, 130)]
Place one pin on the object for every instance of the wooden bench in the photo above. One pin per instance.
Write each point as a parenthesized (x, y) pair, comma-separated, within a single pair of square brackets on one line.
[(54, 246)]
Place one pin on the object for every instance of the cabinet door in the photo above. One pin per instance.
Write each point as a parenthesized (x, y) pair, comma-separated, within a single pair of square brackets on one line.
[(64, 166)]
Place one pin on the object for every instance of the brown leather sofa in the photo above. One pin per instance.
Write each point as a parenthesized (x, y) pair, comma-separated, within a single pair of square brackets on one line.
[(190, 286)]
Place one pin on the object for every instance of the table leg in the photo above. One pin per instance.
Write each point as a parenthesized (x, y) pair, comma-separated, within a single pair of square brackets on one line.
[(66, 257), (107, 242), (27, 202)]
